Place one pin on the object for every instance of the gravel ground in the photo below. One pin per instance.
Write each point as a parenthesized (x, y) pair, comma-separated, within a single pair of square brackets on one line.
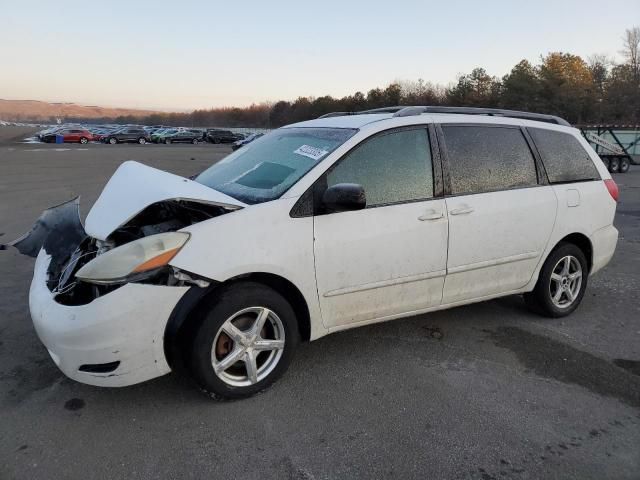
[(487, 391)]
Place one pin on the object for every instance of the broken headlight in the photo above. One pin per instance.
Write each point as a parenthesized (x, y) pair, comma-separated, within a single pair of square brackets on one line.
[(134, 260)]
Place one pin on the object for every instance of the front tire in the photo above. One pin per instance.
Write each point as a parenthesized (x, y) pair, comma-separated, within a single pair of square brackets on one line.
[(244, 343), (83, 140), (112, 141), (142, 141), (167, 141), (561, 283), (194, 141)]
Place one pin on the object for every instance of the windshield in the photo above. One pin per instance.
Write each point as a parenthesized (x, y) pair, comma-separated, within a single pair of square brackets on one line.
[(267, 167)]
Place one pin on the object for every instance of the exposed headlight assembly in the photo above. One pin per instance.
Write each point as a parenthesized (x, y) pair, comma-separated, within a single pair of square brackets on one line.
[(135, 260)]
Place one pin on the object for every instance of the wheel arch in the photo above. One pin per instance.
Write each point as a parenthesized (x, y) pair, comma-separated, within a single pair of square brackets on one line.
[(189, 311), (581, 241)]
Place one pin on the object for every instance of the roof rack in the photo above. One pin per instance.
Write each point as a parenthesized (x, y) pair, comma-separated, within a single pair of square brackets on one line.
[(400, 111), (364, 112)]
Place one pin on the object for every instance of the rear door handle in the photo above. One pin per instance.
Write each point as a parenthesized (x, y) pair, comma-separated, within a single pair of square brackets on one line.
[(462, 210), (431, 214)]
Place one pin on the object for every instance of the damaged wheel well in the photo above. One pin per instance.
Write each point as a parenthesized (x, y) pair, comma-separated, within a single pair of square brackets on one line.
[(191, 309)]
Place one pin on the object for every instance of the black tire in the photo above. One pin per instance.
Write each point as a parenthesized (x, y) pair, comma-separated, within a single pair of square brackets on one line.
[(216, 141), (84, 140), (224, 305), (624, 165), (167, 141), (112, 141), (194, 141), (142, 141), (540, 299), (614, 165)]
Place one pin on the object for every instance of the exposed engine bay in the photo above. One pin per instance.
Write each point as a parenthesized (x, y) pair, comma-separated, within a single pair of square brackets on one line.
[(60, 233)]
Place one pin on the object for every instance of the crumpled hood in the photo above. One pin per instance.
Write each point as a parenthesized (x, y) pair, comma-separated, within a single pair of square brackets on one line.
[(135, 186)]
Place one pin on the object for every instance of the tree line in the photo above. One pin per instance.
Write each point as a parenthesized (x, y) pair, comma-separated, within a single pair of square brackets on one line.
[(595, 90)]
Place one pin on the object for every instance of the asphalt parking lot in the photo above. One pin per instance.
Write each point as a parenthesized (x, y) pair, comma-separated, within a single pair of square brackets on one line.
[(487, 391)]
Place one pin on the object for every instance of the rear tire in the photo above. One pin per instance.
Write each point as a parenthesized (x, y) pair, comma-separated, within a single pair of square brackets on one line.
[(167, 141), (142, 141), (561, 283), (194, 141), (252, 366), (83, 140), (614, 165), (112, 141), (624, 165)]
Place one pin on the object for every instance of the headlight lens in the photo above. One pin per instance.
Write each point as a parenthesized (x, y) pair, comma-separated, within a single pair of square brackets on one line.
[(133, 259)]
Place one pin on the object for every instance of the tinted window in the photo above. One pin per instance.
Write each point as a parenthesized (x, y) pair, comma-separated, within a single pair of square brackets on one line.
[(486, 159), (564, 158), (393, 167)]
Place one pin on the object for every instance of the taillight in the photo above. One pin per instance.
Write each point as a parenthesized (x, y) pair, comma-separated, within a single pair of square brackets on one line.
[(613, 188)]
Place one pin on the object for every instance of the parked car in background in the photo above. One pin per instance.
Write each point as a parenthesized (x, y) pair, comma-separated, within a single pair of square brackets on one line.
[(248, 139), (215, 135), (48, 131), (99, 133), (128, 135), (69, 135), (182, 136), (201, 132), (157, 135)]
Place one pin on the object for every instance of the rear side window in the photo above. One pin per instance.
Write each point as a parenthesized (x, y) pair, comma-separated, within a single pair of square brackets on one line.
[(564, 158), (393, 167), (487, 159)]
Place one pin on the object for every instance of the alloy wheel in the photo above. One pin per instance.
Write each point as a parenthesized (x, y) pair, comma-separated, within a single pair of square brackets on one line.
[(248, 346), (566, 280)]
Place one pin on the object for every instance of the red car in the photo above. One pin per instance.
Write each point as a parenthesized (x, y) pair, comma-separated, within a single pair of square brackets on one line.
[(70, 135)]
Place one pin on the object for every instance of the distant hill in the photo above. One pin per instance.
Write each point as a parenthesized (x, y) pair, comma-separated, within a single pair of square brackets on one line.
[(25, 110)]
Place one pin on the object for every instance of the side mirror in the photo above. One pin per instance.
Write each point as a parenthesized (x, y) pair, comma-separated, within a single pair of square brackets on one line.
[(344, 197)]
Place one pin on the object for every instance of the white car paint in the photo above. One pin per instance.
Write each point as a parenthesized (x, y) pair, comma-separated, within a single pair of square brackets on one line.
[(360, 278), (135, 186), (352, 268), (481, 262), (126, 326)]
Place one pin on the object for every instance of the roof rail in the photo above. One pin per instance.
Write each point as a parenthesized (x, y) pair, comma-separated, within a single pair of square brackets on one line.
[(362, 112), (336, 114), (400, 111)]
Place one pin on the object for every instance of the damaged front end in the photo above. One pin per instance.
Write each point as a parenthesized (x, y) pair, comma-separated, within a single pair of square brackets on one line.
[(60, 233), (131, 221)]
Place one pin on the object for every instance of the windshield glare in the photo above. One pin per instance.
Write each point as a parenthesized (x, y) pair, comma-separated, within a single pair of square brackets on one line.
[(267, 167)]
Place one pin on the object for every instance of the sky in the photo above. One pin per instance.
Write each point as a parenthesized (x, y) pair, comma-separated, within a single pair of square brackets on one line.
[(181, 55)]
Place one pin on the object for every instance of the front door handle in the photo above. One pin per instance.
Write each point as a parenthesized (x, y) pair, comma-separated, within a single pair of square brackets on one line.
[(462, 210), (431, 214)]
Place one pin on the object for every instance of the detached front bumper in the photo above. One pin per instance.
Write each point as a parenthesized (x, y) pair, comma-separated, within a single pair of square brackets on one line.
[(126, 326)]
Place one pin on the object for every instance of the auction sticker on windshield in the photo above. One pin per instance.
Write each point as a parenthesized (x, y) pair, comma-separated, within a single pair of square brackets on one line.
[(311, 152)]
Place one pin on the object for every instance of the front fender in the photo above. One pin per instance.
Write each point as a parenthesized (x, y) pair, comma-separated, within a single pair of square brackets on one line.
[(257, 239)]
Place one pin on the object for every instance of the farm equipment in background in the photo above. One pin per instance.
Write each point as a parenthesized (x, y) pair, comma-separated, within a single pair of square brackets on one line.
[(617, 145)]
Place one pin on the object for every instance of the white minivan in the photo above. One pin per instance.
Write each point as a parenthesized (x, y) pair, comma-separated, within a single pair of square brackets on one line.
[(317, 227)]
